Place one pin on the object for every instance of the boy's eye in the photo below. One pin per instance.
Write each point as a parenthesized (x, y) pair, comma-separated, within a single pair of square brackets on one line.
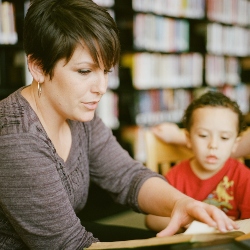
[(202, 135), (107, 71), (224, 138), (84, 71)]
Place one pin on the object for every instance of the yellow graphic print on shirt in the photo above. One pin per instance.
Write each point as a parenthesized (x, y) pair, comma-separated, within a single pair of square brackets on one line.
[(221, 197)]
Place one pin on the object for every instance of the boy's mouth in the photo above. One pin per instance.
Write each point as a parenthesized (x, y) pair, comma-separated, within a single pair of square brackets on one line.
[(211, 159)]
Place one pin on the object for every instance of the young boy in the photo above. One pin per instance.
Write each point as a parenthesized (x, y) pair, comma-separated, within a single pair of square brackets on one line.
[(213, 125)]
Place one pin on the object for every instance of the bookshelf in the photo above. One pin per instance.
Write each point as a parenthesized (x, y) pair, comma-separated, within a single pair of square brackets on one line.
[(108, 106), (175, 50), (12, 66), (180, 48), (171, 51)]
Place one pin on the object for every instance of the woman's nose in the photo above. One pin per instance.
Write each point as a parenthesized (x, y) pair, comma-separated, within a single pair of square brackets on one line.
[(100, 86)]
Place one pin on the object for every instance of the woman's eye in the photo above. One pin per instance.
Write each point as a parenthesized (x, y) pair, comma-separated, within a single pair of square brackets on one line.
[(83, 72), (224, 138)]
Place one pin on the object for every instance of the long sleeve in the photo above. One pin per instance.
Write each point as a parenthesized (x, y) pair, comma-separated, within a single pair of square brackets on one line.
[(34, 199), (39, 193), (113, 169)]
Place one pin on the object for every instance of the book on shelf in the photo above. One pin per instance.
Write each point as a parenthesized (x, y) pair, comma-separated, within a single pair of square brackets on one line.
[(108, 111), (8, 34), (155, 70), (162, 34), (176, 8), (229, 12), (227, 40), (196, 233)]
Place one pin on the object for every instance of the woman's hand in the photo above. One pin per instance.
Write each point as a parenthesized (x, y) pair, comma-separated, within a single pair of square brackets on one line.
[(187, 209), (170, 133)]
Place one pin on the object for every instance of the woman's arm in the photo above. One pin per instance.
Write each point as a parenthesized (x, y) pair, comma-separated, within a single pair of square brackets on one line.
[(157, 197), (243, 148), (170, 133)]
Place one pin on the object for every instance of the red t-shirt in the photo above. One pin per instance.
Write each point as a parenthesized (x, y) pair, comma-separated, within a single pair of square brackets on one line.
[(229, 189)]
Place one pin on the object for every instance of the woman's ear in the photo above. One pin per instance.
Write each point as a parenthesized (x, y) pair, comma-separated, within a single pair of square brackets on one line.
[(35, 69), (188, 139), (236, 143)]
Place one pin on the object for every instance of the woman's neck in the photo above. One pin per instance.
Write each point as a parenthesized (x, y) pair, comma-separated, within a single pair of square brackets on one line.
[(56, 127)]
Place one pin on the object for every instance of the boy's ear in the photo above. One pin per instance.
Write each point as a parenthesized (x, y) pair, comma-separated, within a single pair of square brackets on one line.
[(236, 143), (188, 140), (35, 69)]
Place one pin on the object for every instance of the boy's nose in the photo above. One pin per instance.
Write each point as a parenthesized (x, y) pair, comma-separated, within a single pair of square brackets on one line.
[(213, 143)]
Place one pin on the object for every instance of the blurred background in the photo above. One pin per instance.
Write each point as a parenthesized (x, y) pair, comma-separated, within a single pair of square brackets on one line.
[(171, 52)]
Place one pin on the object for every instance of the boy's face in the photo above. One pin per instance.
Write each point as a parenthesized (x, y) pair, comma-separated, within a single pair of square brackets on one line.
[(212, 137)]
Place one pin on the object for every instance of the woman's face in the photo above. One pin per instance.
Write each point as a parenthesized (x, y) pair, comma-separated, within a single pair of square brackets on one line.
[(76, 87)]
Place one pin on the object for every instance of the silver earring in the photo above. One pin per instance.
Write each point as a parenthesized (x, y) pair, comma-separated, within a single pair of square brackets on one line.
[(39, 88)]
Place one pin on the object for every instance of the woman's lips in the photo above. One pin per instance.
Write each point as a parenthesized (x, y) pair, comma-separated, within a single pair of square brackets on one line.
[(90, 105)]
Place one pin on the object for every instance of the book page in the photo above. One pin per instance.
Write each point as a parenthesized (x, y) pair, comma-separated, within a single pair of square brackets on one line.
[(244, 225), (197, 227)]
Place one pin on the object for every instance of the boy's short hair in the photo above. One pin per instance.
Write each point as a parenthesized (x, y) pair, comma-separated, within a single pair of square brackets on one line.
[(53, 29), (213, 99)]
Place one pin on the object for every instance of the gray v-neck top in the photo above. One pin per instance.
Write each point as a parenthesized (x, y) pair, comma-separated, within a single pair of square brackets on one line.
[(40, 194)]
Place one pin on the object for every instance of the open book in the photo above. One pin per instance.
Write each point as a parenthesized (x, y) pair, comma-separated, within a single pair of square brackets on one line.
[(197, 227), (197, 232)]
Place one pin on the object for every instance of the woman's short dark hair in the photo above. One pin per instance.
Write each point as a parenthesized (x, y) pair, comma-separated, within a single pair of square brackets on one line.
[(53, 29), (213, 99)]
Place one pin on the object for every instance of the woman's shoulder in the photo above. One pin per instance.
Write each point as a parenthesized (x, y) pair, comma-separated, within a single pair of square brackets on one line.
[(11, 105), (16, 115), (11, 111)]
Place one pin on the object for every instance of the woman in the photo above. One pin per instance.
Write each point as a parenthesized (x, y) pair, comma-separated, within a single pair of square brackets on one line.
[(52, 143)]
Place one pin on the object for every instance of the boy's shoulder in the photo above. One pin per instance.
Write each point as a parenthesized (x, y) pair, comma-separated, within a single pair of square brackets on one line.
[(238, 169), (182, 166), (183, 163), (237, 162)]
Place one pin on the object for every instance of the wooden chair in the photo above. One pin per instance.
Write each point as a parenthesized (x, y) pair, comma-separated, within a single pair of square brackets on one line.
[(161, 156)]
